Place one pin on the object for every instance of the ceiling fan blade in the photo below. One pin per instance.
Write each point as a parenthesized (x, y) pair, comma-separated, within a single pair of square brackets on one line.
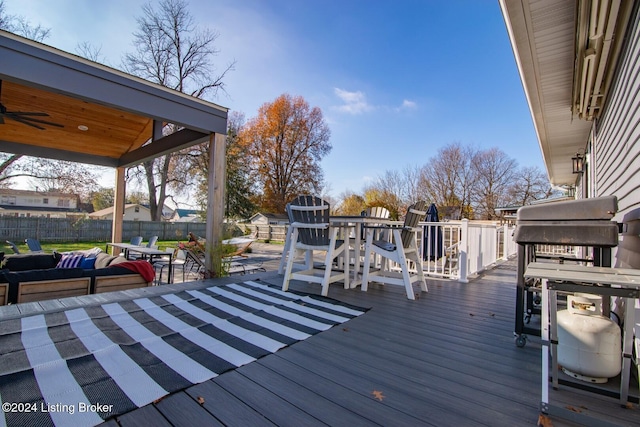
[(18, 119), (32, 120), (27, 113)]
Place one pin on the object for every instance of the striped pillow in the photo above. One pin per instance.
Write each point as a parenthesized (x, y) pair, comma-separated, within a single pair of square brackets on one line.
[(70, 261)]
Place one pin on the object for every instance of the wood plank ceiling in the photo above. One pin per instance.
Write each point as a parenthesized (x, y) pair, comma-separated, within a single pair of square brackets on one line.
[(110, 132), (118, 112)]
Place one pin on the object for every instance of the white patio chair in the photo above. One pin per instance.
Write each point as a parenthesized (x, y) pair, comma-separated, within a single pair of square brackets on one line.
[(379, 233), (401, 249), (313, 232), (308, 262), (178, 260)]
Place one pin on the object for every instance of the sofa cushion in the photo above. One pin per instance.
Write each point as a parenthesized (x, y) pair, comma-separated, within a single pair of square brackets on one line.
[(23, 262), (103, 259), (117, 260)]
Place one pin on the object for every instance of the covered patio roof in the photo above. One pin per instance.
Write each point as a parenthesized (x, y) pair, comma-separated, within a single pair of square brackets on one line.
[(118, 110), (101, 116), (566, 51)]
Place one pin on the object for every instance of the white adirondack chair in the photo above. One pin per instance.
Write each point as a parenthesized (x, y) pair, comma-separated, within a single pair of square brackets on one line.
[(311, 231), (399, 251)]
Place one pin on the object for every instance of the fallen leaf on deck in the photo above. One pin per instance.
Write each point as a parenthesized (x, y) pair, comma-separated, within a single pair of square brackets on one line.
[(630, 405), (544, 421), (200, 400), (492, 314), (378, 395), (471, 314), (571, 408), (345, 329)]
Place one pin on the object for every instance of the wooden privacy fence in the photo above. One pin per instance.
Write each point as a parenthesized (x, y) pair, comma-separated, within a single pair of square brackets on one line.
[(16, 229)]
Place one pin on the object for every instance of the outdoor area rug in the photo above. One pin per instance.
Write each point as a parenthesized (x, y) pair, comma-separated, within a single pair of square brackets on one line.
[(82, 366)]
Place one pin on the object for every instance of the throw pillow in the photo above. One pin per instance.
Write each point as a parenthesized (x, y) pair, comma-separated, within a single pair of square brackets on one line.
[(88, 263), (70, 261)]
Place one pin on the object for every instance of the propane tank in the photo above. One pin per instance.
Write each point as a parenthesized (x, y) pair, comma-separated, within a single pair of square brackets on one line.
[(589, 344)]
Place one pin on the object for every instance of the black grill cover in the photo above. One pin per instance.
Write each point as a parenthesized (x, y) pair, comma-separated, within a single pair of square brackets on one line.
[(584, 222)]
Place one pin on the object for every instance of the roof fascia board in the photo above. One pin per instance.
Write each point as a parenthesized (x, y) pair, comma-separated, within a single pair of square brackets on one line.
[(34, 64)]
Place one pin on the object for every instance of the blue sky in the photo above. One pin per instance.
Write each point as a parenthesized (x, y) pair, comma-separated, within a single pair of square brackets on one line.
[(396, 80)]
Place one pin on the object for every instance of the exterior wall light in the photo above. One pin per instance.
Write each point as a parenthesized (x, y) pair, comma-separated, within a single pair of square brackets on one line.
[(578, 163)]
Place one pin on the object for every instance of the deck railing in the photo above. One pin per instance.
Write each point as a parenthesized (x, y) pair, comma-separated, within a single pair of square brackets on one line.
[(466, 247), (452, 249)]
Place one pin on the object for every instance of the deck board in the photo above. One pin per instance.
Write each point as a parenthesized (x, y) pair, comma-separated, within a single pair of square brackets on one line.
[(447, 358)]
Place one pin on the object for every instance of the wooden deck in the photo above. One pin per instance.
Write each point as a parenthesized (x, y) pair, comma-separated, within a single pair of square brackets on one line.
[(447, 358)]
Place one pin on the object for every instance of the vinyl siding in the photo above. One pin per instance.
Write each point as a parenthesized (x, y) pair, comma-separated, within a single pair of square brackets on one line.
[(616, 148)]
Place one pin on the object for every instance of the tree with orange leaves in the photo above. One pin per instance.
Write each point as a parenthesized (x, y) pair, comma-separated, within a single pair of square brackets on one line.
[(287, 141)]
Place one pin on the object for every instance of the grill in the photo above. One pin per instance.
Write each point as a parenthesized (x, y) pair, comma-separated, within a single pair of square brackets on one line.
[(583, 223)]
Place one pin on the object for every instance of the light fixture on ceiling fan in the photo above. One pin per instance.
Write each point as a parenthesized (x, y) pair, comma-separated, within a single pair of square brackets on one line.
[(25, 117)]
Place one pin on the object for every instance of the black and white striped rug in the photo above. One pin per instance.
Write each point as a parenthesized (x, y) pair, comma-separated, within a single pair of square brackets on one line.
[(81, 366)]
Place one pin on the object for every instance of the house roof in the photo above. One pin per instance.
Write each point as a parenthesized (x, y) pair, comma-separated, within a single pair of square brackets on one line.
[(551, 46), (17, 192), (119, 110), (283, 217), (185, 212), (109, 210)]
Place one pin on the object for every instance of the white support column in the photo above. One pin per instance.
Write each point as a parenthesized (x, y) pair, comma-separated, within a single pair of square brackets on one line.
[(215, 197), (118, 206), (463, 251), (505, 242)]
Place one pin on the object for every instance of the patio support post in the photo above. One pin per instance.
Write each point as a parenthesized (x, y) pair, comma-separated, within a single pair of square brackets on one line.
[(215, 198), (505, 242), (464, 251), (118, 206)]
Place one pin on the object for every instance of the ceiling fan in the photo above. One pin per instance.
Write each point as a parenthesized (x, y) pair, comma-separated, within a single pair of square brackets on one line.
[(25, 117)]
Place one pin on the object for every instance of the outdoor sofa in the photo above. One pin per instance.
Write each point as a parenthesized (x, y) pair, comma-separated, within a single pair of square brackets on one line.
[(41, 276)]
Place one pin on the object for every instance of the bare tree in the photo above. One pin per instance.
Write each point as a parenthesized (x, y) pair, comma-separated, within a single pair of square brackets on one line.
[(529, 184), (20, 25), (447, 180), (493, 173), (91, 52), (171, 51)]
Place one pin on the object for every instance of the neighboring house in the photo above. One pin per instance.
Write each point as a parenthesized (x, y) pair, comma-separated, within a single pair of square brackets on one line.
[(132, 212), (186, 215), (580, 69), (269, 218), (26, 203)]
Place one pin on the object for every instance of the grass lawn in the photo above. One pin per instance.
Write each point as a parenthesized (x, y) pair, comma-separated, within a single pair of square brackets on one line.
[(70, 246)]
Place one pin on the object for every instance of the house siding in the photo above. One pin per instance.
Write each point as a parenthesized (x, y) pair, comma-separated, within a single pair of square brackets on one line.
[(615, 148)]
